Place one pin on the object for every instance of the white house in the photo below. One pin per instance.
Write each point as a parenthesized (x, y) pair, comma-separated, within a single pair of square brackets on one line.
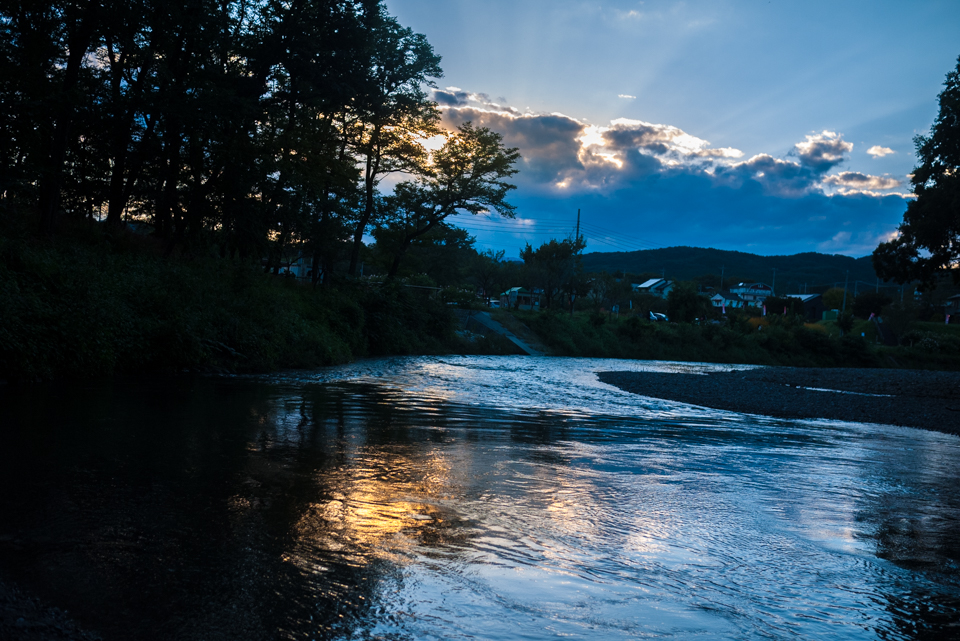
[(728, 300), (519, 298), (655, 286), (753, 294)]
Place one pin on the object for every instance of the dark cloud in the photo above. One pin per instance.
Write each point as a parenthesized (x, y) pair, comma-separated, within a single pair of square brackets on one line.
[(679, 208), (822, 152), (547, 142), (774, 176), (659, 183), (451, 97), (640, 136)]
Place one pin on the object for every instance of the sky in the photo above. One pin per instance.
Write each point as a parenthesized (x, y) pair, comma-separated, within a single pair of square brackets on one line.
[(762, 126)]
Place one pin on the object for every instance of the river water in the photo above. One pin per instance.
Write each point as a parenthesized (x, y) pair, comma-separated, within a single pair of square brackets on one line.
[(469, 498)]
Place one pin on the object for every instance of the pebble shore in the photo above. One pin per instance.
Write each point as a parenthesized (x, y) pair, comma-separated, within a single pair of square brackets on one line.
[(911, 398)]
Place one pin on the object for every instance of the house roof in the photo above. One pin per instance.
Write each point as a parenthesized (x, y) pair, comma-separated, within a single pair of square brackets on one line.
[(727, 296), (647, 284), (806, 298), (758, 286)]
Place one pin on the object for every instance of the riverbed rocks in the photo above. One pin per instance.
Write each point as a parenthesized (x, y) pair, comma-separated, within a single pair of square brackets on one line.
[(910, 398)]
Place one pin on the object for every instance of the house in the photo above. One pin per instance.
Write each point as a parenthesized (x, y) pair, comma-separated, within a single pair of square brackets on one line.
[(728, 300), (658, 287), (813, 307), (753, 293), (519, 298)]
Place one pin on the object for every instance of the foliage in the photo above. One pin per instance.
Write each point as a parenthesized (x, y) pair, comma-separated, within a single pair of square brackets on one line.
[(553, 266), (928, 243), (833, 298), (684, 304), (466, 175), (785, 341), (777, 305), (900, 318), (845, 323), (82, 309), (254, 130), (869, 302)]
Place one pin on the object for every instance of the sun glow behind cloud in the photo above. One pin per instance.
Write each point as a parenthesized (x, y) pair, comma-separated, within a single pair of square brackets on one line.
[(630, 165)]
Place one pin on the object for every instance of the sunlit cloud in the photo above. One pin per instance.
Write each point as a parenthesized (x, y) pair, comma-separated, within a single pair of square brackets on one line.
[(646, 176), (856, 180), (879, 152)]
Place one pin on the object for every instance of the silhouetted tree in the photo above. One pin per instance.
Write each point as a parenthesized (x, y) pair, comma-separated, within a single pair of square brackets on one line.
[(467, 175), (928, 243), (552, 265)]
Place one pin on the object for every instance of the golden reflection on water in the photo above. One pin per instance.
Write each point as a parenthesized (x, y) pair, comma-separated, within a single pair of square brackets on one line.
[(384, 502)]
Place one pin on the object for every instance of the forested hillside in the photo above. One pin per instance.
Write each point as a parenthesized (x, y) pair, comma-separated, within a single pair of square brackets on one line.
[(817, 272)]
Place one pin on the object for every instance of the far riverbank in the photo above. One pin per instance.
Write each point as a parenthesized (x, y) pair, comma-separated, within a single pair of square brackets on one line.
[(911, 398)]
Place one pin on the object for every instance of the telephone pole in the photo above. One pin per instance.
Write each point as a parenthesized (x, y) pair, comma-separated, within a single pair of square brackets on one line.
[(573, 294), (845, 281)]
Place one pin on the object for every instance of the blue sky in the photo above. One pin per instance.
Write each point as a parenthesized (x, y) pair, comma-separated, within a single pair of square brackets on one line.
[(755, 125)]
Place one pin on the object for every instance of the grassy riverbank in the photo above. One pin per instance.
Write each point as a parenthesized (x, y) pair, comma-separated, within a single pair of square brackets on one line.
[(94, 306), (780, 341)]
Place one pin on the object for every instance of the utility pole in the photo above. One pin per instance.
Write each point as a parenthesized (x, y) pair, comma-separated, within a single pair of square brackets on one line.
[(573, 294), (773, 288), (878, 284), (845, 281), (722, 267)]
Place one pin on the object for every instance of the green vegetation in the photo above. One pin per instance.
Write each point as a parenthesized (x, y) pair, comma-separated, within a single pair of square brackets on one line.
[(783, 341), (92, 307)]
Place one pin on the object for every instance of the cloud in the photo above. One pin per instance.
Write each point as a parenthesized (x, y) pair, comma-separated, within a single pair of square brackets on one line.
[(856, 180), (823, 151), (626, 96), (658, 182), (548, 142), (451, 97), (879, 152), (456, 97)]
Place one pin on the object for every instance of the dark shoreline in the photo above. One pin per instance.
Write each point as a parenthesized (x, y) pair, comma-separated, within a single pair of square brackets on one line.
[(910, 398)]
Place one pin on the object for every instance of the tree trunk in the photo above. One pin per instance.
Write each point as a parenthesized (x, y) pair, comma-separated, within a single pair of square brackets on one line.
[(370, 184), (79, 43)]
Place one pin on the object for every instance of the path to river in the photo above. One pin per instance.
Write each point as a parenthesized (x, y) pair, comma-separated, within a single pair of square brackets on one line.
[(470, 497)]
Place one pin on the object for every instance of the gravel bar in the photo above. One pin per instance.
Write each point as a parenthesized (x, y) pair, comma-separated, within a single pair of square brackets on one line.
[(911, 398)]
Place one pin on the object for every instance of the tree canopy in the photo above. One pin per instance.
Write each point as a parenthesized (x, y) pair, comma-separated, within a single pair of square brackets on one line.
[(928, 241), (250, 128)]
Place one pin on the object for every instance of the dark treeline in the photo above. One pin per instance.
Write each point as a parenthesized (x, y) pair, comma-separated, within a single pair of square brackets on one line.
[(244, 129)]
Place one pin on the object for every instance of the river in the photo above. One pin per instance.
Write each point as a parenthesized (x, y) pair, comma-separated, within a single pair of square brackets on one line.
[(469, 498)]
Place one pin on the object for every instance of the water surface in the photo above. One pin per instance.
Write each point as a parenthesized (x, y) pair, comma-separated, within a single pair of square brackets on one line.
[(470, 497)]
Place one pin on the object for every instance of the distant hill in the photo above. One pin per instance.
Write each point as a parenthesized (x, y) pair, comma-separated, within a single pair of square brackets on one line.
[(818, 271)]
